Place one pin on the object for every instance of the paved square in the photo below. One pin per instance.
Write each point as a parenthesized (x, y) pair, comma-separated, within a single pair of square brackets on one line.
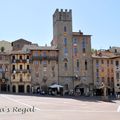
[(19, 107)]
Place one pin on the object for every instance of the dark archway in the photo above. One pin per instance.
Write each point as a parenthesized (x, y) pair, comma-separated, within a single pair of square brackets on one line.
[(21, 88), (8, 88), (14, 89), (28, 88), (3, 87)]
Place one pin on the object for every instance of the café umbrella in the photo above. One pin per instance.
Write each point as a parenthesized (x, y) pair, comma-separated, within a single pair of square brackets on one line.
[(56, 86)]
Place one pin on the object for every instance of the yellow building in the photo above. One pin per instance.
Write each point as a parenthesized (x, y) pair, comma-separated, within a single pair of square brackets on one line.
[(20, 72), (103, 71)]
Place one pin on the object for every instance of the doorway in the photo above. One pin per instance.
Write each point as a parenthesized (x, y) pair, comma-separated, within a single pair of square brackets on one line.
[(21, 88)]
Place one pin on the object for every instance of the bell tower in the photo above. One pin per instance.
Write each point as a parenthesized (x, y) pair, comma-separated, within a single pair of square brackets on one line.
[(62, 39)]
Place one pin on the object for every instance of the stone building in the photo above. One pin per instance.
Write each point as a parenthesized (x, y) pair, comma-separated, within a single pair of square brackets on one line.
[(19, 44), (5, 72), (5, 46), (75, 60), (44, 67), (116, 52), (68, 61)]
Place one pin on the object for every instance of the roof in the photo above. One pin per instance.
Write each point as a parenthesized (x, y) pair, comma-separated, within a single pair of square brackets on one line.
[(26, 49), (21, 39), (78, 34), (103, 54), (44, 48)]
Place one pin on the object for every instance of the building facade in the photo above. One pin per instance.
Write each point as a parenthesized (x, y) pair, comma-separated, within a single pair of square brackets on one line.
[(103, 72), (26, 67), (20, 72), (5, 72), (75, 60), (44, 68)]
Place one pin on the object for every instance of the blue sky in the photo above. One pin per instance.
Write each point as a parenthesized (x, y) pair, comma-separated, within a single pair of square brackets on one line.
[(32, 20)]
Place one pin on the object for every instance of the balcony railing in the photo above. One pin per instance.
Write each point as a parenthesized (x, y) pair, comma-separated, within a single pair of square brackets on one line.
[(4, 80), (21, 60), (45, 58), (21, 71)]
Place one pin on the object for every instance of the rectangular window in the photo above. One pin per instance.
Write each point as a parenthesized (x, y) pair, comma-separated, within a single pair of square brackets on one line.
[(13, 67), (35, 53), (75, 50), (102, 61), (27, 57), (65, 29), (83, 50), (97, 72), (78, 65), (65, 41), (65, 51), (111, 61), (13, 76), (112, 79), (35, 62), (107, 62), (117, 63), (13, 57), (74, 41), (85, 65), (108, 81), (83, 45), (65, 66), (20, 67), (21, 78), (20, 57), (97, 63), (117, 75), (44, 54), (28, 67)]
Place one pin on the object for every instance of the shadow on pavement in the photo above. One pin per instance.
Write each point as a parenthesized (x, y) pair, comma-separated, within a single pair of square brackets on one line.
[(78, 98)]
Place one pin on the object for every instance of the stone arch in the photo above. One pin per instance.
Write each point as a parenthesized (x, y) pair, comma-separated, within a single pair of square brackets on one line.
[(28, 88), (14, 88)]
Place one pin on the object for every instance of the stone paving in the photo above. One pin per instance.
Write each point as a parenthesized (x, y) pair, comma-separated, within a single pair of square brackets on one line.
[(21, 107)]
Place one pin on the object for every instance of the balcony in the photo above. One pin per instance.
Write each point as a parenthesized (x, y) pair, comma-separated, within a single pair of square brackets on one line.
[(4, 80), (45, 58), (21, 71), (21, 61)]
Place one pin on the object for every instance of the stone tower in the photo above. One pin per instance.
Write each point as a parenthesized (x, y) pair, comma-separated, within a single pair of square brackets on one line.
[(62, 39), (75, 60)]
